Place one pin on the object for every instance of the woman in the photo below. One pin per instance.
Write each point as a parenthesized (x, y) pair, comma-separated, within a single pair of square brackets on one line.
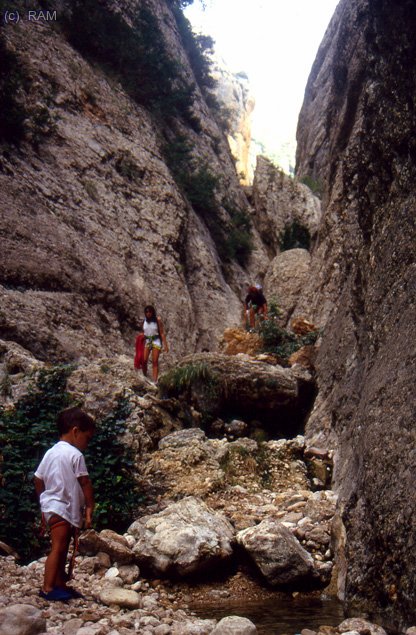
[(154, 335)]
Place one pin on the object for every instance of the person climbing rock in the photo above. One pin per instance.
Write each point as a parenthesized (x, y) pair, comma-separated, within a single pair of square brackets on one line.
[(255, 305), (154, 336)]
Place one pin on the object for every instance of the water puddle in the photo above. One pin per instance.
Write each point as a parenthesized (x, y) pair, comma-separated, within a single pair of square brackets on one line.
[(280, 616)]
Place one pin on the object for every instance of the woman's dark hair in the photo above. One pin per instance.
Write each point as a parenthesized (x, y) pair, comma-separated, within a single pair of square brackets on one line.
[(151, 308), (74, 417)]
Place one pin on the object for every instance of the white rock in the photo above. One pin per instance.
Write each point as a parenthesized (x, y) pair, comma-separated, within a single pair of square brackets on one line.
[(121, 597), (234, 625)]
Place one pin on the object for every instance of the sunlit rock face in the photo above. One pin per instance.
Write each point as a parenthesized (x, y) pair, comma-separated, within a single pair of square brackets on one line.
[(234, 94), (356, 136), (93, 224)]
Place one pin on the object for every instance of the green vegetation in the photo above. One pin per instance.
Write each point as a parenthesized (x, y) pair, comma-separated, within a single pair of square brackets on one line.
[(199, 48), (182, 379), (239, 240), (27, 430), (136, 55), (314, 186), (18, 121), (295, 236), (233, 238), (13, 83), (280, 341), (111, 467)]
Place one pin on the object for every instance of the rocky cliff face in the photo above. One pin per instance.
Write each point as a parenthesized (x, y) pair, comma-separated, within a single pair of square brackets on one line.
[(233, 92), (95, 220), (356, 136)]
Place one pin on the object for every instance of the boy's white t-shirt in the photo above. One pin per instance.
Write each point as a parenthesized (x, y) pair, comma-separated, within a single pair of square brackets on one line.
[(59, 470)]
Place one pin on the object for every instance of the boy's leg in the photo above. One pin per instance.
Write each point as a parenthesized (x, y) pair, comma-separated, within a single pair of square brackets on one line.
[(61, 532)]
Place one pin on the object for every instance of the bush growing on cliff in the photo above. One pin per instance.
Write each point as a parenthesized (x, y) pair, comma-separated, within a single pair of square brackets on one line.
[(232, 239), (13, 82), (277, 339), (137, 55), (26, 431), (295, 236), (313, 185)]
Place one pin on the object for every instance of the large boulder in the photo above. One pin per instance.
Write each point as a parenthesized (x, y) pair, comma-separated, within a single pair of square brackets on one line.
[(287, 274), (277, 554), (240, 387), (185, 538)]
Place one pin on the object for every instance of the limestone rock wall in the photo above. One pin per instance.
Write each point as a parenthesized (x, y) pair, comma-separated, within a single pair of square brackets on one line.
[(234, 94), (356, 136), (93, 224), (278, 200)]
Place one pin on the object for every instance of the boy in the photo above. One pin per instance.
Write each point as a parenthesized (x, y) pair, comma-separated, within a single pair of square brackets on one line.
[(64, 489)]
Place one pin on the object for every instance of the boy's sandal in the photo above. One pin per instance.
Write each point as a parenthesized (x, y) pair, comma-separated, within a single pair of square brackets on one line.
[(56, 595), (74, 593)]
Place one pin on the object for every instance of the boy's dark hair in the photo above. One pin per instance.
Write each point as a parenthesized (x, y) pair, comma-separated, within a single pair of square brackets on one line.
[(74, 417)]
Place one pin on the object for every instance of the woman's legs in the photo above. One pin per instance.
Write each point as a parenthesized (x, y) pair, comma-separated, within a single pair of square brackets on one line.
[(155, 363), (55, 576), (145, 360)]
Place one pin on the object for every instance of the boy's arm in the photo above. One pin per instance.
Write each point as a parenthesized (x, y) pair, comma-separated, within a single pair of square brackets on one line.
[(39, 486), (86, 487)]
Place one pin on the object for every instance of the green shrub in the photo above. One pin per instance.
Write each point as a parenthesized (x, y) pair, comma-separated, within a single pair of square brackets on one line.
[(278, 340), (29, 429), (295, 236), (239, 243), (13, 83), (314, 186), (182, 378), (111, 467), (198, 47), (137, 56)]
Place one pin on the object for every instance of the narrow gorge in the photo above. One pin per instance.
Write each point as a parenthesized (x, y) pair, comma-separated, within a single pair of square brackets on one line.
[(268, 466)]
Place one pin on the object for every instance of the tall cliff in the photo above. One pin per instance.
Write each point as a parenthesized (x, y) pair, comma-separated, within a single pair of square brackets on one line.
[(117, 187), (356, 137)]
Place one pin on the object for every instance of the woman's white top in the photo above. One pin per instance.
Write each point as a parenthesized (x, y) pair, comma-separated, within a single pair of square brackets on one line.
[(59, 469), (150, 329)]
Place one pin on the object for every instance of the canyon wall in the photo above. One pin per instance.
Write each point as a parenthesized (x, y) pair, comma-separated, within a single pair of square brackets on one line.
[(356, 138), (113, 196)]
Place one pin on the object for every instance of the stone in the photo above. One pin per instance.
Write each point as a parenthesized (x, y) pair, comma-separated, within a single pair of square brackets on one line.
[(129, 573), (234, 625), (106, 541), (121, 597), (277, 554), (72, 626), (361, 626), (21, 619), (186, 537)]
